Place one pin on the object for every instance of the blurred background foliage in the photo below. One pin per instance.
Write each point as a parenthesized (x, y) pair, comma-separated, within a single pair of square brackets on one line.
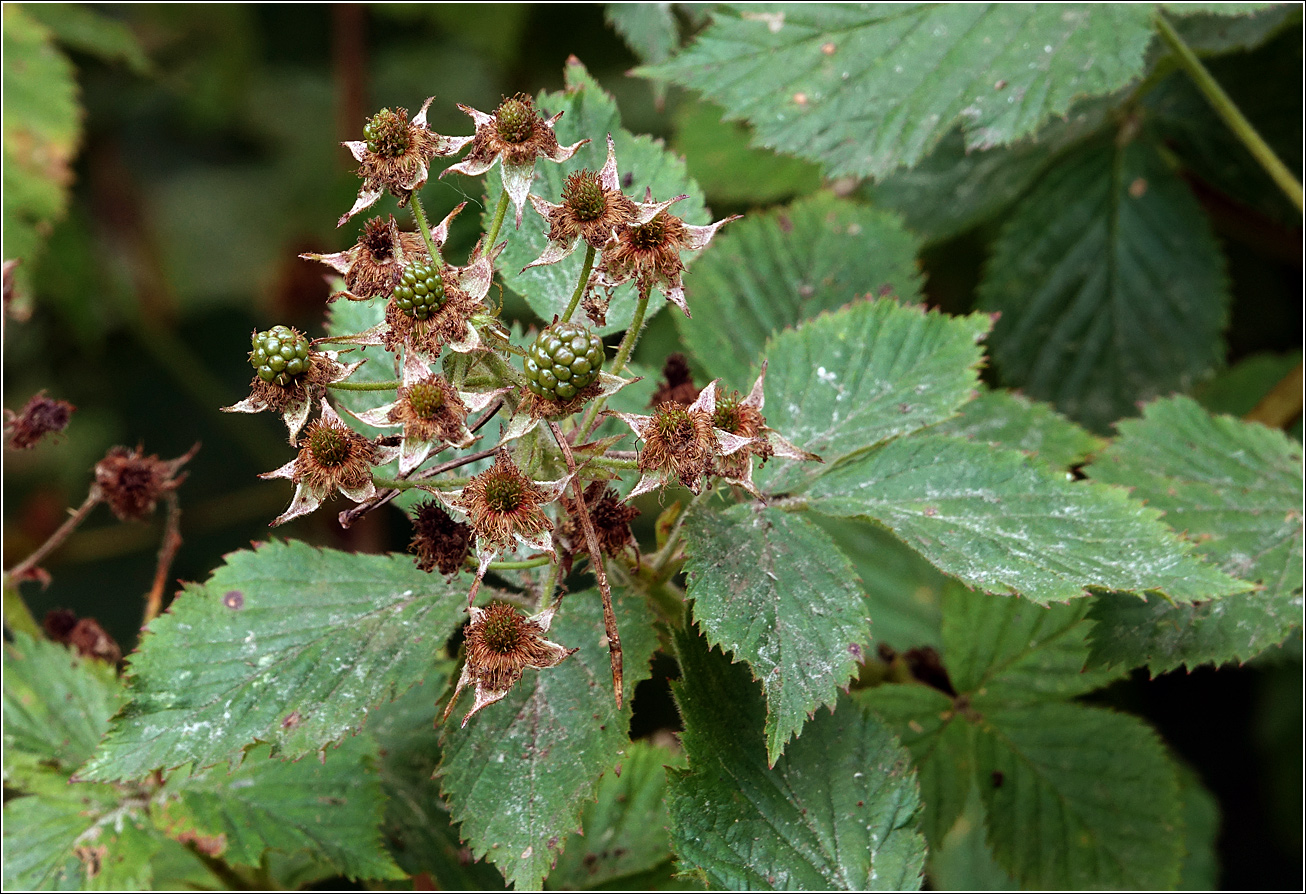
[(166, 164)]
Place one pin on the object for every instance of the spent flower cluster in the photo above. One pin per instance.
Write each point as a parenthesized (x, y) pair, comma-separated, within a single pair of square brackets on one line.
[(547, 492)]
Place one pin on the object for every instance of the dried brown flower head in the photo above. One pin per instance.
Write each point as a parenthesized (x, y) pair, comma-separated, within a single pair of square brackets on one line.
[(501, 644), (132, 484), (83, 634), (438, 540), (611, 518), (677, 383), (593, 207), (332, 457), (39, 417), (373, 265), (502, 503), (396, 155), (742, 417), (516, 134), (648, 252), (294, 400), (680, 443)]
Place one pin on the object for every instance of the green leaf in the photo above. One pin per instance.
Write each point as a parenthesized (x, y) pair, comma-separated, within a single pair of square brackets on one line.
[(649, 29), (839, 810), (867, 89), (845, 381), (774, 270), (901, 590), (418, 829), (772, 589), (332, 809), (626, 827), (285, 644), (591, 114), (963, 860), (42, 130), (1004, 419), (81, 28), (1110, 284), (940, 748), (1200, 870), (953, 189), (79, 839), (1016, 651), (1214, 28), (720, 160), (1078, 797), (1003, 525), (57, 704), (1239, 388), (518, 776), (1235, 489)]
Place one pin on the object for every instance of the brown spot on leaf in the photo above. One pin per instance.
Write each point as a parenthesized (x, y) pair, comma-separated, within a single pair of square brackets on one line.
[(1137, 188), (212, 845), (234, 600), (998, 778), (828, 48), (293, 719)]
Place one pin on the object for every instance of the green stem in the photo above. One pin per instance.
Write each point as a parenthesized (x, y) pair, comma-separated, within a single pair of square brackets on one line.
[(580, 286), (393, 483), (420, 215), (607, 462), (364, 386), (513, 566), (663, 558), (1229, 112), (618, 363), (499, 211)]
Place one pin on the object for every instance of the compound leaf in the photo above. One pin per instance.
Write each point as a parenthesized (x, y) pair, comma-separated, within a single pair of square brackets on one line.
[(1235, 489), (838, 811), (772, 589), (1110, 284), (57, 704), (774, 270), (866, 89), (626, 828), (332, 809), (42, 130), (1078, 797), (1004, 419), (518, 776), (1003, 525), (641, 162), (285, 644), (79, 839), (845, 381)]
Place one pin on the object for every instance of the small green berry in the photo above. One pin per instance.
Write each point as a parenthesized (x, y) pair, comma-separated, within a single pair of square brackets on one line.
[(387, 133), (420, 291), (564, 360), (279, 355), (515, 119)]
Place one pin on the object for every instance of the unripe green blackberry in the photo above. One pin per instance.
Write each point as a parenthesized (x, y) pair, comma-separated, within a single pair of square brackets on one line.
[(279, 355), (387, 133), (564, 361), (515, 119), (420, 291)]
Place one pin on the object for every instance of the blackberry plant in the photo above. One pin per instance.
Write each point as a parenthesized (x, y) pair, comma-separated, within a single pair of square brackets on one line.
[(884, 581)]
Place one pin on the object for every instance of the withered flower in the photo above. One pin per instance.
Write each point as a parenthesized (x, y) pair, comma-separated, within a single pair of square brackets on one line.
[(677, 383), (83, 634), (501, 643), (610, 516), (743, 417), (39, 417), (438, 540), (432, 412), (517, 135), (332, 457), (592, 208), (648, 252), (396, 155), (373, 265), (680, 443), (132, 484), (450, 324)]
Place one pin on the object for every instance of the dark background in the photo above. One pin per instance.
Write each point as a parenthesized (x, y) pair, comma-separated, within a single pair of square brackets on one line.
[(200, 182)]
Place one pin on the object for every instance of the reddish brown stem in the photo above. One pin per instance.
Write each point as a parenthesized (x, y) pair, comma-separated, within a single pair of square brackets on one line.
[(349, 516), (596, 560), (23, 568), (167, 552)]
